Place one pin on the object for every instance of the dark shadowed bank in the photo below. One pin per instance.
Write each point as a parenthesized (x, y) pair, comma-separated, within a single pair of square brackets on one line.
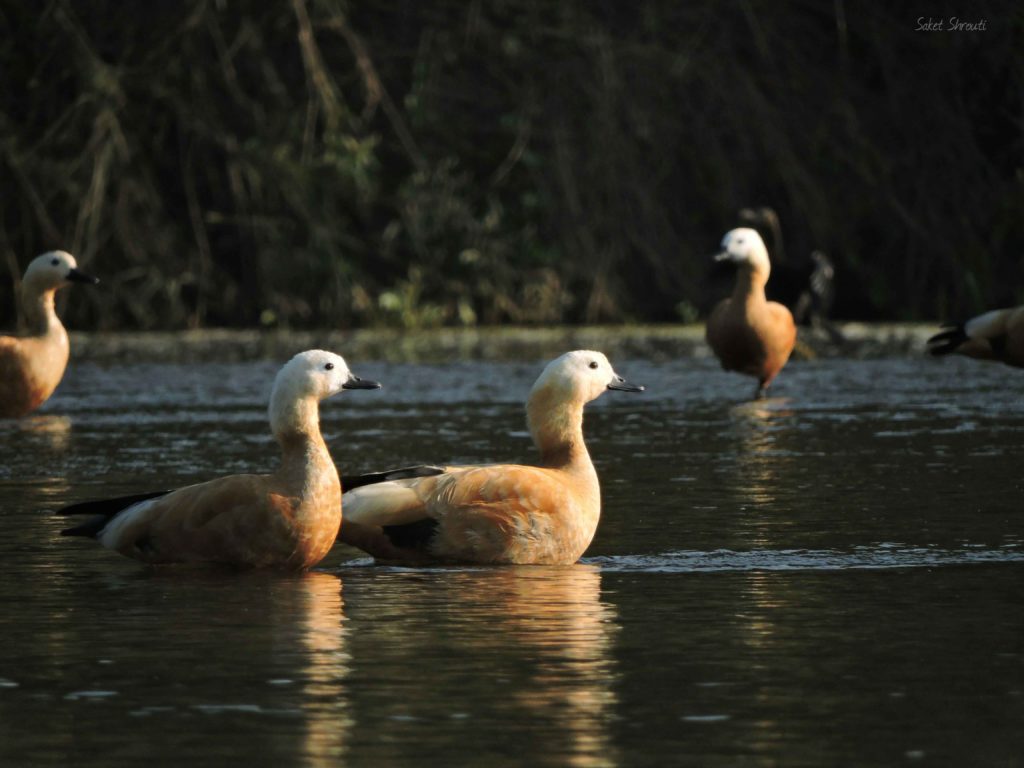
[(664, 342), (413, 163)]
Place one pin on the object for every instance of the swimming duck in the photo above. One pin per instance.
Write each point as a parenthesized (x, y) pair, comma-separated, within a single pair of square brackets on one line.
[(288, 519), (748, 333), (996, 335), (499, 513), (32, 366)]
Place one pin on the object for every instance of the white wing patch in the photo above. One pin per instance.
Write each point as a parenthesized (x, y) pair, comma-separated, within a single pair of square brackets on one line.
[(390, 503), (110, 535), (987, 325)]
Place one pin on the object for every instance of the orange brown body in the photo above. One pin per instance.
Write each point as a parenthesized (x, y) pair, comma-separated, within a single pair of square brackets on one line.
[(503, 513), (494, 515), (288, 519), (30, 370), (756, 338), (32, 366), (748, 333), (251, 521)]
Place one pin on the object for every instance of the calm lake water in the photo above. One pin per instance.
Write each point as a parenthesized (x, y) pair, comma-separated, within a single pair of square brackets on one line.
[(832, 576)]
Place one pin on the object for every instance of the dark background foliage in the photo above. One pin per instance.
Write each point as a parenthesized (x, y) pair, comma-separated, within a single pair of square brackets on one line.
[(421, 162)]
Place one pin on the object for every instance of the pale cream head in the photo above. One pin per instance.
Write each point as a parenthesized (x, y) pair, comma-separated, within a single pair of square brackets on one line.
[(554, 411), (581, 375), (55, 269), (744, 247), (310, 376)]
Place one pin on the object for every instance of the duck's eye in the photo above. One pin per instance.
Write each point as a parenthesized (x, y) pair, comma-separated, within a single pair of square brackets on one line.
[(329, 367), (739, 242), (593, 364), (55, 262)]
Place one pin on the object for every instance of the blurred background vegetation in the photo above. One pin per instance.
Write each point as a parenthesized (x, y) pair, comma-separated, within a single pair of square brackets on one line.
[(323, 163)]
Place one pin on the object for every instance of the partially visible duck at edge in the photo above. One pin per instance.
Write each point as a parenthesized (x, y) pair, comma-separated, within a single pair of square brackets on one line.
[(500, 513), (996, 335), (288, 519), (31, 366), (748, 333)]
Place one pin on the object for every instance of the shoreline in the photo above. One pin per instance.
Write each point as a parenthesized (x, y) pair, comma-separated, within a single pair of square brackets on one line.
[(862, 341)]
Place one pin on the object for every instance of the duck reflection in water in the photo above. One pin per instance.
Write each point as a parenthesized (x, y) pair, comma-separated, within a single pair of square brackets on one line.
[(762, 429), (328, 718), (36, 446), (47, 431), (528, 648), (764, 474), (562, 619)]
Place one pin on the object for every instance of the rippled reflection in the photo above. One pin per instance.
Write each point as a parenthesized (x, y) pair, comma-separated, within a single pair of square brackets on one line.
[(54, 428), (492, 659), (328, 720), (851, 554), (559, 616), (762, 464), (34, 444)]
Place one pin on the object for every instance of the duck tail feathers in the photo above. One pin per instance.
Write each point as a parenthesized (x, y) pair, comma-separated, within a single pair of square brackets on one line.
[(102, 511), (948, 341)]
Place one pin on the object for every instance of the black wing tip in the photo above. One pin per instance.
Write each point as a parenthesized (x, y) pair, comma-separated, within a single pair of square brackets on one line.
[(89, 529), (421, 470), (947, 341), (107, 507), (81, 508), (102, 510), (348, 482)]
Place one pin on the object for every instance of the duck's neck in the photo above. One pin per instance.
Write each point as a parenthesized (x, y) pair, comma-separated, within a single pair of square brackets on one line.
[(296, 425), (750, 283), (40, 316), (556, 425)]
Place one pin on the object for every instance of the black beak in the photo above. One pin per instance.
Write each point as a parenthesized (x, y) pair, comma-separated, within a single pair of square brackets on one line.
[(355, 382), (720, 256), (621, 385), (77, 276)]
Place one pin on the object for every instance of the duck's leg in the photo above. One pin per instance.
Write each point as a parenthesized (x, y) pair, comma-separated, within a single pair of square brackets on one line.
[(762, 391)]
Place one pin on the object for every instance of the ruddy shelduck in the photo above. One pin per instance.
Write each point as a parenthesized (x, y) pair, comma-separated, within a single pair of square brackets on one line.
[(288, 519), (499, 513), (32, 366), (748, 333), (996, 335)]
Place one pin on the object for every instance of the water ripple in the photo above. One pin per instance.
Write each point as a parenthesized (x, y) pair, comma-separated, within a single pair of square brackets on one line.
[(864, 558)]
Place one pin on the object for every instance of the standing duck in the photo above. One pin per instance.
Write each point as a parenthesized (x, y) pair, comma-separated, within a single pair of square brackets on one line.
[(996, 335), (32, 366), (288, 519), (748, 333), (498, 513)]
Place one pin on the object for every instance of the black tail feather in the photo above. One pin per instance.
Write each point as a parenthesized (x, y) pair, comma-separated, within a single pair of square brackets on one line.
[(102, 510), (90, 528), (348, 482), (947, 341), (108, 507)]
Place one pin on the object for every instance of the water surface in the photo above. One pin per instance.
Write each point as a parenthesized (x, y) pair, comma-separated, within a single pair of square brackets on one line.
[(831, 576)]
